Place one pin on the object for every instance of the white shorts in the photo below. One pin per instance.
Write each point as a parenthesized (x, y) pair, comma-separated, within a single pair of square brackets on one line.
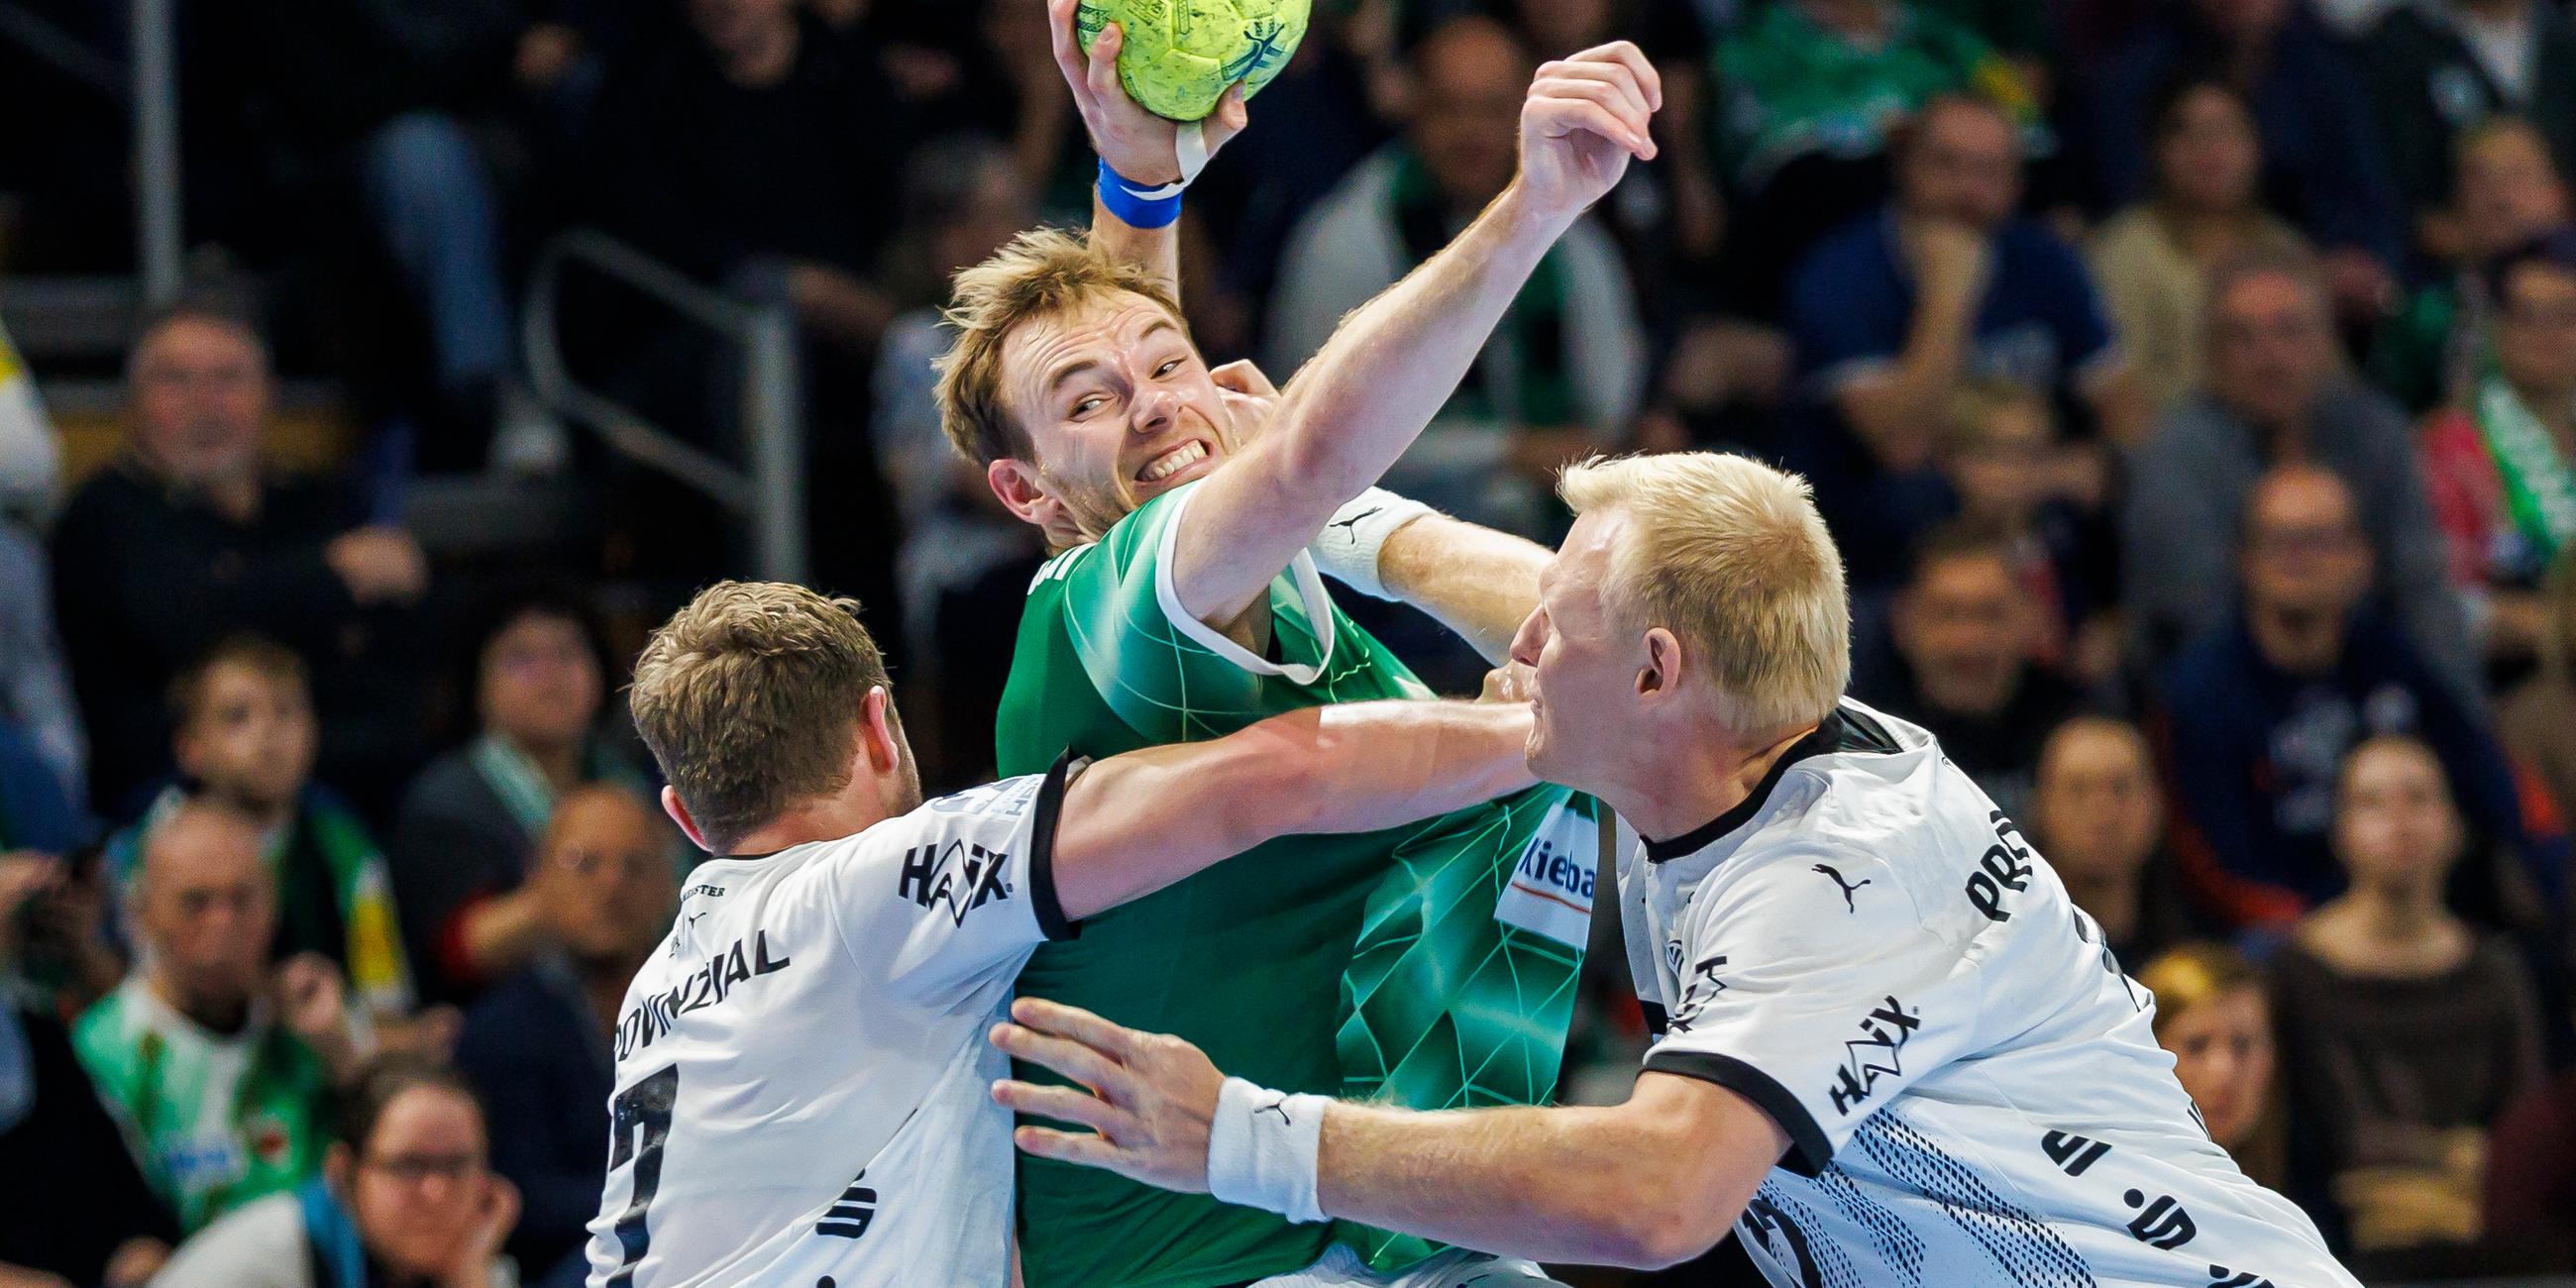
[(1457, 1268)]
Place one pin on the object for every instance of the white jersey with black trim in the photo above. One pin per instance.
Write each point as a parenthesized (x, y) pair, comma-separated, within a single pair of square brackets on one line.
[(1868, 950), (802, 1087)]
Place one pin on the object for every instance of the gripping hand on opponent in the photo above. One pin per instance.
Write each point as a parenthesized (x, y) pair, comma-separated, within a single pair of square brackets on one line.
[(1150, 1101)]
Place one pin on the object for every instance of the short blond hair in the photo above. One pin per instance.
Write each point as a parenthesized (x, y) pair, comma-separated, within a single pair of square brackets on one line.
[(1731, 556), (1042, 273), (750, 698)]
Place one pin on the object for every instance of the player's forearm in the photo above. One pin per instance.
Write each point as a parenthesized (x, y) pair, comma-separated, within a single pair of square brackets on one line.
[(1479, 583), (1156, 250), (1381, 764), (1137, 822), (1572, 1184), (1350, 412)]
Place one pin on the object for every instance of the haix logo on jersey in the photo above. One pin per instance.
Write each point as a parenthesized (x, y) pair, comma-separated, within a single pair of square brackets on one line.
[(961, 878), (1865, 1059), (711, 983)]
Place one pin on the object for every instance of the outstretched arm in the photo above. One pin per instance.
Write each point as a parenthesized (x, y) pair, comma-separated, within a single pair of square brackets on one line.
[(1135, 823), (1479, 583), (1648, 1183), (1355, 407)]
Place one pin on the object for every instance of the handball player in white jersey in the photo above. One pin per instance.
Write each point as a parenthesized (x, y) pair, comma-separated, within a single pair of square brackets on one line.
[(802, 1077), (1891, 1050)]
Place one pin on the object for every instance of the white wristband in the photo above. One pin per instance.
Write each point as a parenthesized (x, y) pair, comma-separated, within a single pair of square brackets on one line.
[(1347, 549), (1262, 1147)]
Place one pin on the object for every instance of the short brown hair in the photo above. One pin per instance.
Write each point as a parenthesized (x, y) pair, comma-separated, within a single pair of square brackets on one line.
[(257, 654), (750, 697), (1042, 273)]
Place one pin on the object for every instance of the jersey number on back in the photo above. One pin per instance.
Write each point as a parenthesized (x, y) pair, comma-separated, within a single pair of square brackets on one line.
[(641, 1121)]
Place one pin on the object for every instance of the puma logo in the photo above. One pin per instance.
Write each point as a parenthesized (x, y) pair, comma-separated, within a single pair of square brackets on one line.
[(1279, 1107), (1353, 522), (1847, 886)]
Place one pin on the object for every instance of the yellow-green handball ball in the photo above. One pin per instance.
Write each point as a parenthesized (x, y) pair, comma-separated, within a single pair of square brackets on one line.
[(1179, 55)]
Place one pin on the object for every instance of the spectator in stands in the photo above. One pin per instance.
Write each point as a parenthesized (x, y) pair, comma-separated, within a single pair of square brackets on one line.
[(2044, 501), (2276, 392), (2096, 812), (2259, 714), (2404, 1031), (2321, 168), (538, 1046), (1805, 100), (407, 1199), (2437, 67), (2502, 468), (2212, 1014), (2433, 348), (1563, 373), (2531, 1178), (2153, 258), (246, 736), (965, 562), (2533, 719), (1897, 308), (185, 539), (79, 1212), (31, 455), (693, 136), (462, 841), (219, 1071), (1963, 633)]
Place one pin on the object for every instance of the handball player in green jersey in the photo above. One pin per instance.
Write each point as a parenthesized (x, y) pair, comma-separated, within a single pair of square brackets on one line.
[(1194, 514)]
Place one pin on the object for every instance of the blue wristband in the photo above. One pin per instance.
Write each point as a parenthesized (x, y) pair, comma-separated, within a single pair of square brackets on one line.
[(1135, 211)]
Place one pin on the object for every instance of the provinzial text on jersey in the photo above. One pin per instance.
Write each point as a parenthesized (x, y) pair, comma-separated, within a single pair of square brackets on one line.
[(708, 985)]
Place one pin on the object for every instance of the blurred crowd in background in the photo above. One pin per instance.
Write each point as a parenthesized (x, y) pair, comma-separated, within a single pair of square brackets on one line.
[(2191, 386)]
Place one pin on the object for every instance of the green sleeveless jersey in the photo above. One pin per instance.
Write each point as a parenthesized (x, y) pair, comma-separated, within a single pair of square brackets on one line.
[(215, 1120), (1431, 966)]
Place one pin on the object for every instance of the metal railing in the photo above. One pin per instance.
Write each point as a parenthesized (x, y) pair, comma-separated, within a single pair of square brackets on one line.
[(766, 492)]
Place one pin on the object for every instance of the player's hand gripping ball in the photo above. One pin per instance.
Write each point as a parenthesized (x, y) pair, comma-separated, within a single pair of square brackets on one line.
[(1178, 56)]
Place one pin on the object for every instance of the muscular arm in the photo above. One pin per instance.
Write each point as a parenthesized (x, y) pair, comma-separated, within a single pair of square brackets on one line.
[(1135, 823), (1479, 583), (1354, 408), (1647, 1184)]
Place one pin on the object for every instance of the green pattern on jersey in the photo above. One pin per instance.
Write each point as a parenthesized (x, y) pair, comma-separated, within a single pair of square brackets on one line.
[(217, 1122), (1367, 966)]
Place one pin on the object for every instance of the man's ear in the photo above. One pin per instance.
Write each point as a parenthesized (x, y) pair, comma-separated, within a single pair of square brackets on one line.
[(1661, 674), (1023, 492), (680, 814), (338, 1164), (880, 734)]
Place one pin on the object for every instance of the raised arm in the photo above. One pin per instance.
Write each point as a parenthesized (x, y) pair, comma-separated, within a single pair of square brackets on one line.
[(1135, 823), (1355, 407), (1138, 145)]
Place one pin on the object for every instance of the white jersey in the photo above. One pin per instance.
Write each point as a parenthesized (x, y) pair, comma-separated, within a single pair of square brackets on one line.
[(802, 1091), (1868, 950)]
